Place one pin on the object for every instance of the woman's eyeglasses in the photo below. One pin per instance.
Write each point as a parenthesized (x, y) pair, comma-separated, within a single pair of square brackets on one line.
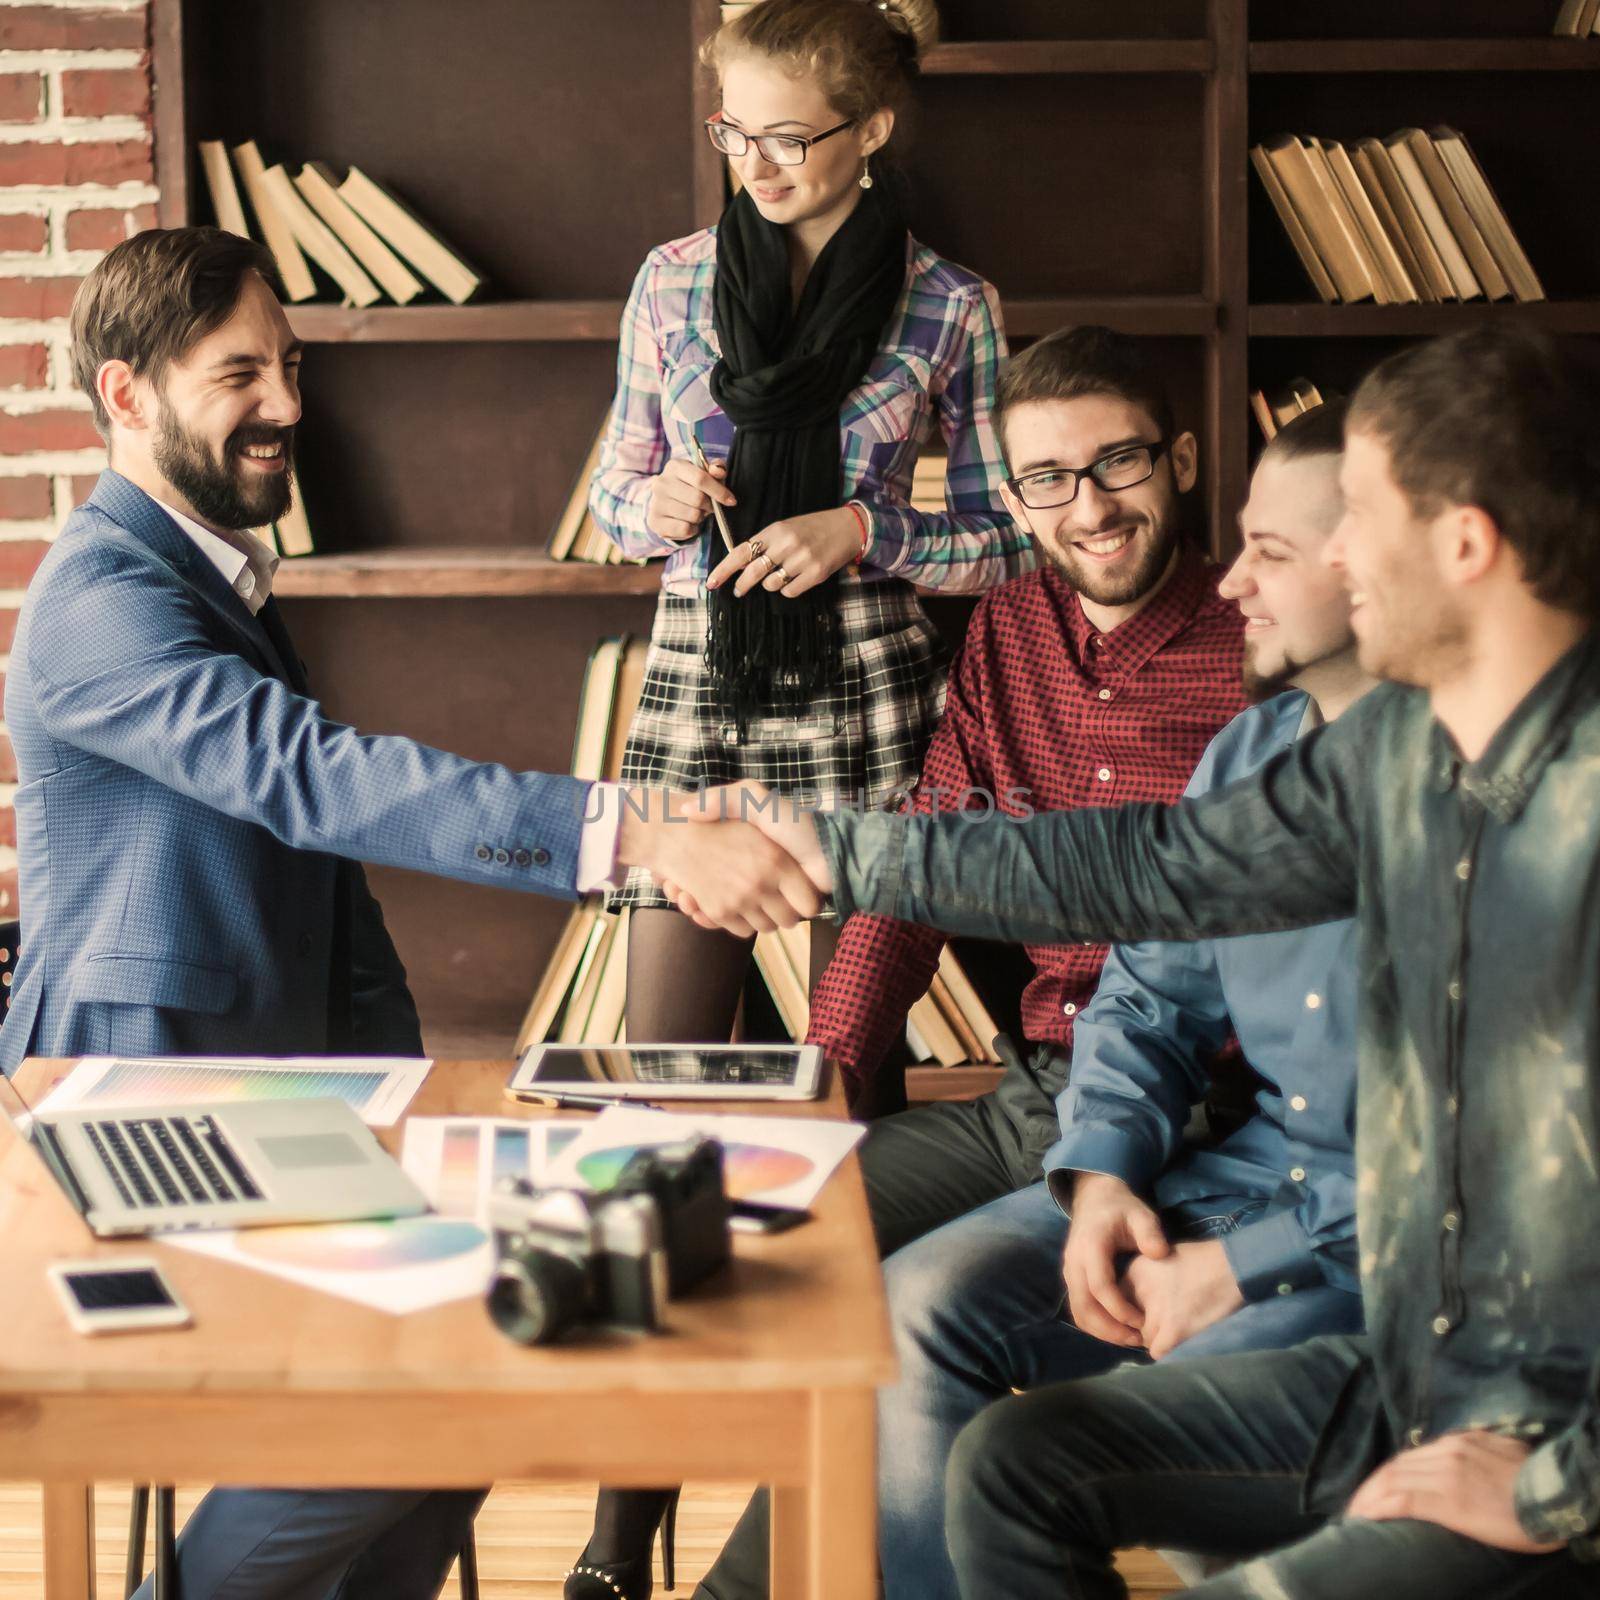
[(781, 149)]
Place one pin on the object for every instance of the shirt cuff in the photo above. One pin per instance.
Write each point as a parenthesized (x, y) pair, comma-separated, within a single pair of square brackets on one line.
[(893, 529), (1097, 1150), (1550, 1508), (597, 839), (1272, 1256)]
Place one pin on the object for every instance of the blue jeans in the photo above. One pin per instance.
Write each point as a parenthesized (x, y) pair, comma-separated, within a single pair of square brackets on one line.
[(333, 1544), (1212, 1454), (978, 1309)]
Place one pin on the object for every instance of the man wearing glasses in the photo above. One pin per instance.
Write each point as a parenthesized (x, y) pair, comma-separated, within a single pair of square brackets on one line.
[(1096, 680)]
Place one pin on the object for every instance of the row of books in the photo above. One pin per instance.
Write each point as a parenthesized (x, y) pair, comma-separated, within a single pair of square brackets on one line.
[(1274, 407), (359, 233), (1410, 218), (582, 995), (1579, 19)]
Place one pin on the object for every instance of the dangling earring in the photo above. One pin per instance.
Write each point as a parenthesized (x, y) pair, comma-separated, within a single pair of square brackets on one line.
[(866, 174)]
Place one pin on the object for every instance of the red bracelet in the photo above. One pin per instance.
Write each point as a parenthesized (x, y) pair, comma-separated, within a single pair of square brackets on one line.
[(866, 528)]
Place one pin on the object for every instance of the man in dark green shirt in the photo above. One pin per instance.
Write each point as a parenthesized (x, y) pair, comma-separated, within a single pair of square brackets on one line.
[(1454, 1450)]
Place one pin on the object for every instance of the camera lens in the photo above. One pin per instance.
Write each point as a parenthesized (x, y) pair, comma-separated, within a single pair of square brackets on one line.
[(534, 1299)]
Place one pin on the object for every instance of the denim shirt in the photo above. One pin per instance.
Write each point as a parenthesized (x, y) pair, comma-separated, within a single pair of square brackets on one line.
[(1474, 886), (1163, 1009)]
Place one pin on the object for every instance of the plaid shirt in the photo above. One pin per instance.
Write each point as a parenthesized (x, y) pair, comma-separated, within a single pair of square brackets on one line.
[(1045, 711), (937, 362)]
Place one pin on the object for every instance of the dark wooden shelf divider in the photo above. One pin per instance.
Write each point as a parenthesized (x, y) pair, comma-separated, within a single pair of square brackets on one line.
[(448, 572), (1366, 321), (1425, 55), (1010, 56)]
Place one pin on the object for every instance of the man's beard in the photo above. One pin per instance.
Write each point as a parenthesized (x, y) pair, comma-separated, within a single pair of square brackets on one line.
[(1123, 589), (214, 488)]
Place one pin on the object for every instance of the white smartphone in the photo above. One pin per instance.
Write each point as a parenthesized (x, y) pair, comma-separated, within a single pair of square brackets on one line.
[(117, 1297)]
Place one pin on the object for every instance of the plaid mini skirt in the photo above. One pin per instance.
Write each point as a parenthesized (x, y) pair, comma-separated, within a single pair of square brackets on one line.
[(863, 738)]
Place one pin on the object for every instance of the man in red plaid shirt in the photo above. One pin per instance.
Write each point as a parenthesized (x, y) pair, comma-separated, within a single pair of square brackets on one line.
[(1095, 681)]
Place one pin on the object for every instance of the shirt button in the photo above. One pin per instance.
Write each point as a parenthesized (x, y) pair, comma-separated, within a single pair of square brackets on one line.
[(1069, 1010), (1441, 1326), (1452, 1105), (521, 857), (1105, 694), (1298, 1103), (1298, 1174), (483, 852), (1453, 990), (1463, 870), (503, 857), (1451, 1221), (1313, 1001), (1414, 1438), (541, 856), (1104, 774), (1285, 1288)]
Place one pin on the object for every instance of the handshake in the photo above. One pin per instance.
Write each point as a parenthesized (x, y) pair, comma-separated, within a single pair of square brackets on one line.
[(738, 857)]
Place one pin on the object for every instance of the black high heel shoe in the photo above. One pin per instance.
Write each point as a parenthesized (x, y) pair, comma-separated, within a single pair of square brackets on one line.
[(635, 1514)]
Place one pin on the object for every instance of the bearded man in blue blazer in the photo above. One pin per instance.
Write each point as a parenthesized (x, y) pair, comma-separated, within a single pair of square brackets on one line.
[(190, 825)]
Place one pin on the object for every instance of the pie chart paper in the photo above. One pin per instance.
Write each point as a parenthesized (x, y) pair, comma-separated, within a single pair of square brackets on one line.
[(782, 1161)]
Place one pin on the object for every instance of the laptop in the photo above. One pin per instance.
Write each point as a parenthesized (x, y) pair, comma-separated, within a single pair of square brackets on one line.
[(177, 1167)]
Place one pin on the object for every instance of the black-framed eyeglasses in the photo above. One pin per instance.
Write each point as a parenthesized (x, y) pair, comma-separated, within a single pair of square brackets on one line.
[(1058, 486), (781, 149)]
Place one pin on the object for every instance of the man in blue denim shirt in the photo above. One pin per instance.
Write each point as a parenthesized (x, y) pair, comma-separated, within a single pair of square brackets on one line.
[(1262, 1226), (1454, 1452)]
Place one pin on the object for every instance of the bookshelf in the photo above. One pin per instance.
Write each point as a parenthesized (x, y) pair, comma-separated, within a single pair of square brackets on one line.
[(1090, 160)]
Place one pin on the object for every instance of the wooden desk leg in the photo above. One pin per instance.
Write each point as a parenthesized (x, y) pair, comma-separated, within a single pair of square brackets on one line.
[(843, 1524), (68, 1541)]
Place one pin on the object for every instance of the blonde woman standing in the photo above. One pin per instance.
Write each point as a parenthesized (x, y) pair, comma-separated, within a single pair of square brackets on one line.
[(805, 348)]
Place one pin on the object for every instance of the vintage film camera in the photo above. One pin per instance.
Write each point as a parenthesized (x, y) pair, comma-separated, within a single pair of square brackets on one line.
[(566, 1256)]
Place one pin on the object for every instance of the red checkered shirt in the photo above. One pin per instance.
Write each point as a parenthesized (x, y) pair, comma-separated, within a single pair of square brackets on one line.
[(1045, 711)]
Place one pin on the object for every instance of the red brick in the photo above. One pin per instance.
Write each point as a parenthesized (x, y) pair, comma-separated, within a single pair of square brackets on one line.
[(46, 430), (25, 499), (37, 299), (8, 896), (109, 161), (18, 559), (8, 630), (21, 96), (47, 28), (22, 232), (8, 760), (8, 833), (24, 366), (116, 92), (82, 488), (99, 230)]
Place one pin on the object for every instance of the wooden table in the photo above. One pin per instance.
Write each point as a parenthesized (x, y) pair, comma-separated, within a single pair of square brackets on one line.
[(766, 1374)]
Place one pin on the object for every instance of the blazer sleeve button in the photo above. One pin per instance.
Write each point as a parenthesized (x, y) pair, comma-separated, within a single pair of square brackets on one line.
[(541, 857), (483, 852)]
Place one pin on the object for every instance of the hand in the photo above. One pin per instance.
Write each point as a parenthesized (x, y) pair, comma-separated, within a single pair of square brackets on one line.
[(1108, 1220), (792, 555), (736, 878), (681, 496), (1465, 1482), (1182, 1293)]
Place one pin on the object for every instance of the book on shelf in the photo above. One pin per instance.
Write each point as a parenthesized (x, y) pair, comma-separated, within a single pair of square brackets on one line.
[(577, 536), (293, 529), (320, 191), (298, 283), (1410, 219), (1578, 19), (1276, 407), (225, 202), (317, 240), (407, 233)]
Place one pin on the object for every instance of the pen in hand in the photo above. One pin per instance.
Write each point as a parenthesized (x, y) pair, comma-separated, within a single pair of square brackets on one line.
[(716, 507)]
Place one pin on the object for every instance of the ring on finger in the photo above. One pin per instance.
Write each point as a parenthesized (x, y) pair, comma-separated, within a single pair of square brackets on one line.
[(757, 549), (782, 573), (771, 564)]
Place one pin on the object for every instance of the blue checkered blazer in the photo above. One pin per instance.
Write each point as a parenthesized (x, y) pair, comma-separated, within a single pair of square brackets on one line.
[(187, 825)]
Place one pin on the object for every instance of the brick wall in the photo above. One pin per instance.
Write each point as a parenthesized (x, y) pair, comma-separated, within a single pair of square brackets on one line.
[(75, 177)]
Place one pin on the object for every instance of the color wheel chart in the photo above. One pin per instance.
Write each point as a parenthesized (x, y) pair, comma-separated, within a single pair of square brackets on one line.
[(748, 1170), (363, 1246)]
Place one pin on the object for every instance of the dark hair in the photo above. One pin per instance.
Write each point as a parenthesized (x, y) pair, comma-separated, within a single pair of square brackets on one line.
[(1317, 432), (1502, 418), (1078, 361), (152, 297), (862, 55)]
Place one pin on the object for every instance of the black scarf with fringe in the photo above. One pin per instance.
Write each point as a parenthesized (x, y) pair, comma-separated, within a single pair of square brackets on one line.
[(784, 375)]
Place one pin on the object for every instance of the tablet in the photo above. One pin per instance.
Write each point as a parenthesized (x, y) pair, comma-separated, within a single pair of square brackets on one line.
[(671, 1071)]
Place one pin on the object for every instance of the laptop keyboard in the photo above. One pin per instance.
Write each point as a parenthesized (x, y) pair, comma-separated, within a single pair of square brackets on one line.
[(169, 1161)]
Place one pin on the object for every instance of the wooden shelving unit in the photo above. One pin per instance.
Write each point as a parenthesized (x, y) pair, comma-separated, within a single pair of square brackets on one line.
[(1090, 160)]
